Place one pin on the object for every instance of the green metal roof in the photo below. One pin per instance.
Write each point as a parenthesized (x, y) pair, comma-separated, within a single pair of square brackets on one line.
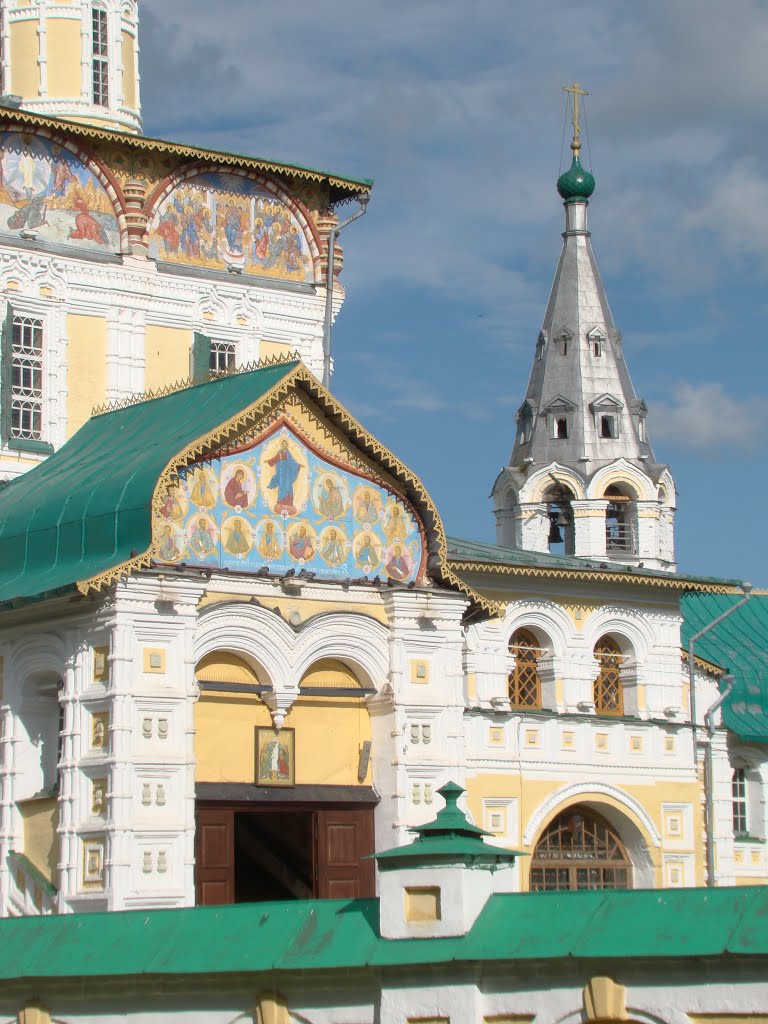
[(460, 550), (340, 934), (87, 508), (740, 645)]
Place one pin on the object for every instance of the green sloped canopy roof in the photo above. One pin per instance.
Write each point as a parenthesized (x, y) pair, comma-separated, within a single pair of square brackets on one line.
[(87, 508), (340, 934), (460, 550), (740, 645)]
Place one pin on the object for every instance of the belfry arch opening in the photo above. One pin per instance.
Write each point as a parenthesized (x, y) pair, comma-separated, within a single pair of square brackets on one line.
[(561, 534), (620, 533), (281, 813)]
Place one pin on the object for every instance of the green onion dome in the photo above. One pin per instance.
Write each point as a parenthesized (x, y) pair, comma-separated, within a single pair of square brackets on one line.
[(575, 183)]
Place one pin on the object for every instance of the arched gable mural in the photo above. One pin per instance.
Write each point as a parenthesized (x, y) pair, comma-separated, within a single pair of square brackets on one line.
[(45, 189), (279, 504), (225, 220)]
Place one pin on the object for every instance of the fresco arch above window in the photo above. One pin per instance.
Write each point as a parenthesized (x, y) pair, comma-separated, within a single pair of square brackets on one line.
[(218, 221), (48, 194)]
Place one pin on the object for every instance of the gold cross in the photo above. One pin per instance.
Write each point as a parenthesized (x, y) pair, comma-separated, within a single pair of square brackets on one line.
[(576, 91)]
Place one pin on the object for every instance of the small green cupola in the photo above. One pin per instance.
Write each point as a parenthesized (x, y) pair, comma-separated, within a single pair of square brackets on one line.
[(437, 885), (576, 183), (448, 839)]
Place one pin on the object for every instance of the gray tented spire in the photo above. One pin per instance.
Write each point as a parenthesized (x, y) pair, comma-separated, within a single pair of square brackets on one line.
[(579, 373), (582, 479)]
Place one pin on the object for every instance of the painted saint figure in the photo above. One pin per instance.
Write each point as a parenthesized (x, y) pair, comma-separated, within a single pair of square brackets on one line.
[(202, 493), (86, 225), (301, 546), (367, 557), (238, 542), (395, 527), (286, 470), (366, 509), (173, 507), (331, 500), (274, 763), (270, 548), (167, 545), (333, 549), (235, 493), (397, 565), (201, 543)]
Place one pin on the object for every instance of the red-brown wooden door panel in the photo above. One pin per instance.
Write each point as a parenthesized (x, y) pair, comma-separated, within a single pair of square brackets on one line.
[(344, 838), (215, 856)]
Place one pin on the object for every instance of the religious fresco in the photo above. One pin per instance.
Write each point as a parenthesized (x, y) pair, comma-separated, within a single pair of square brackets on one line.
[(46, 190), (280, 505), (219, 221)]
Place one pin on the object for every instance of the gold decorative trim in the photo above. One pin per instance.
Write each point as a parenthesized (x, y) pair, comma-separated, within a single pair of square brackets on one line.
[(146, 143), (182, 385), (706, 666), (249, 418), (604, 576)]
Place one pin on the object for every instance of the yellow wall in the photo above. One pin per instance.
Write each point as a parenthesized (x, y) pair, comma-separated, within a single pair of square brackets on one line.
[(64, 70), (269, 349), (87, 369), (40, 820), (535, 792), (167, 356), (25, 71), (129, 71), (329, 734)]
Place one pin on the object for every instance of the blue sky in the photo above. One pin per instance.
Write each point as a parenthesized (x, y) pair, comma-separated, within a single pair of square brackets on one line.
[(456, 111)]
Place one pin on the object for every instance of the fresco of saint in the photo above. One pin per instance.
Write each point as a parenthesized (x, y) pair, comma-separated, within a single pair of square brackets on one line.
[(235, 491), (203, 493), (270, 545), (202, 540), (367, 555), (330, 499), (397, 565), (367, 503), (175, 505), (301, 545), (333, 546), (286, 470), (238, 541), (274, 763), (167, 547), (396, 527)]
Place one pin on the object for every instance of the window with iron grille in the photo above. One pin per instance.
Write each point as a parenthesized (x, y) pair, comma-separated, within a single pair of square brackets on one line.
[(524, 682), (222, 356), (27, 378), (579, 850), (608, 695), (739, 801), (100, 56)]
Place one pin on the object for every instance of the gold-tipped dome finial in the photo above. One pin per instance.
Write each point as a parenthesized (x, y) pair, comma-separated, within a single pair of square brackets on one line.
[(576, 183)]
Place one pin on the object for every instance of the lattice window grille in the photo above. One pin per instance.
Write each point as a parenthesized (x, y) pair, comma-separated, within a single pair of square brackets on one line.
[(27, 378), (608, 695), (524, 681)]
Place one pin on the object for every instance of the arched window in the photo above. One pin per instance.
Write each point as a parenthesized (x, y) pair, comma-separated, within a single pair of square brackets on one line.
[(619, 536), (608, 696), (100, 55), (524, 682), (580, 850)]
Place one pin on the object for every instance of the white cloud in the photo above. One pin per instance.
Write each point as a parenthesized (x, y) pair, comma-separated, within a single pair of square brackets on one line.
[(705, 419)]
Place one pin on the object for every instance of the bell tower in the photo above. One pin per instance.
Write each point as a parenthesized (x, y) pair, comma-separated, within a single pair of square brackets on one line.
[(582, 478), (74, 59)]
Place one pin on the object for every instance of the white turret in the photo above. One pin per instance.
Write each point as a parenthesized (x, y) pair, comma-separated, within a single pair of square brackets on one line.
[(75, 60)]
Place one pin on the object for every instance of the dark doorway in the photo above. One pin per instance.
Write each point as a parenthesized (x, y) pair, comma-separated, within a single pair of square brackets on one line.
[(247, 855)]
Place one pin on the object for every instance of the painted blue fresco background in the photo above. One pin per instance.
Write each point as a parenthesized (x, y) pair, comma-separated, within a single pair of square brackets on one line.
[(279, 504)]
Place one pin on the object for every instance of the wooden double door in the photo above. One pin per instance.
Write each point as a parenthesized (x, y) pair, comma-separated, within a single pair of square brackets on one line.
[(247, 854)]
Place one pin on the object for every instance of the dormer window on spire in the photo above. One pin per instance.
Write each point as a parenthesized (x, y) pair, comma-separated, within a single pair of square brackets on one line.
[(100, 55)]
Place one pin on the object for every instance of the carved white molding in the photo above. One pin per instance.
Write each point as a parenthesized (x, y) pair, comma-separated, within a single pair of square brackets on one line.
[(567, 795)]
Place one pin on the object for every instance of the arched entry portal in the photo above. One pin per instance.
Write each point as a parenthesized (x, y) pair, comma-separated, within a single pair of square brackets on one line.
[(281, 814), (580, 850)]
